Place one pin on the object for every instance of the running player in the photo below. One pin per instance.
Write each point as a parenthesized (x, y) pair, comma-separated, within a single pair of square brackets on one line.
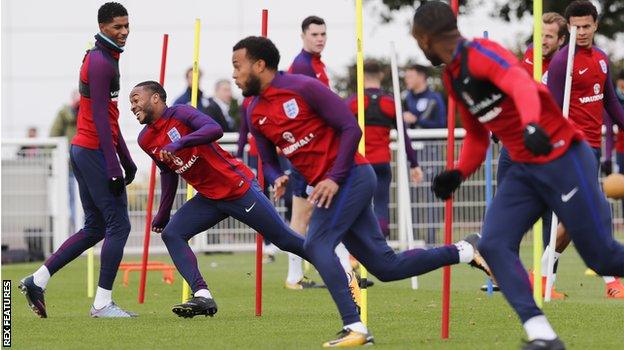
[(495, 93), (316, 131)]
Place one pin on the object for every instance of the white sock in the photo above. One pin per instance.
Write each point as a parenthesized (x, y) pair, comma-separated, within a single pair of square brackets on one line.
[(41, 276), (295, 269), (608, 279), (465, 250), (358, 327), (205, 293), (537, 327), (103, 297), (270, 249), (343, 255), (545, 261)]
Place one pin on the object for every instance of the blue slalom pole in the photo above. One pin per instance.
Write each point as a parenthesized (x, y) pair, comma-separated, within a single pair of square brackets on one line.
[(488, 189)]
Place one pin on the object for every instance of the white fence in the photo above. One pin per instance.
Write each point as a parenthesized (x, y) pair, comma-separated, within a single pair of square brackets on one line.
[(35, 198)]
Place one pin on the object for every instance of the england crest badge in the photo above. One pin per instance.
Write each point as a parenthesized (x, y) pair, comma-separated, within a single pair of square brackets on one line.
[(291, 108), (603, 66), (174, 134)]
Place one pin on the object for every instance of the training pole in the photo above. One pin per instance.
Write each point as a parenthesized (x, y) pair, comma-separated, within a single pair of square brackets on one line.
[(448, 208), (403, 188), (489, 188), (186, 290), (152, 184), (259, 238), (538, 228), (362, 145), (550, 277)]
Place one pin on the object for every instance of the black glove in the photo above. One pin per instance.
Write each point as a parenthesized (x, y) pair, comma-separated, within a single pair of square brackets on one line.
[(116, 185), (606, 167), (445, 183), (130, 171), (537, 140)]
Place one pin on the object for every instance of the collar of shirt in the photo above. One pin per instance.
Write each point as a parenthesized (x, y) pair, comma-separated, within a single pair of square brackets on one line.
[(107, 42)]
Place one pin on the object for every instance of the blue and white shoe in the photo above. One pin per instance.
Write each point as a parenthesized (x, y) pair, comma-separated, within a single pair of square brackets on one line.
[(34, 296), (111, 310)]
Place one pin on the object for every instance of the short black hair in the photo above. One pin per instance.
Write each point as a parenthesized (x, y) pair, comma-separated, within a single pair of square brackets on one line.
[(620, 76), (372, 67), (420, 69), (260, 48), (580, 8), (155, 88), (311, 20), (110, 10), (434, 17)]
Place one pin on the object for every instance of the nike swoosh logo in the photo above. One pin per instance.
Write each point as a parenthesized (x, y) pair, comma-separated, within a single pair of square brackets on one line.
[(249, 209), (261, 121), (566, 197), (558, 144), (582, 71), (528, 61), (530, 129), (318, 75), (154, 150)]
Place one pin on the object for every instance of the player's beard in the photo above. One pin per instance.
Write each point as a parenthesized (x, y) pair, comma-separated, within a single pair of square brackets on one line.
[(148, 110), (435, 60), (252, 86)]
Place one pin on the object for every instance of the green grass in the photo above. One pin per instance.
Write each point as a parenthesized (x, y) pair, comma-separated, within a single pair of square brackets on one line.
[(399, 317)]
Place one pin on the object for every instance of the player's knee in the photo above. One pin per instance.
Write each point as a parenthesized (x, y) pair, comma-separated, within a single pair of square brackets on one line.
[(487, 247)]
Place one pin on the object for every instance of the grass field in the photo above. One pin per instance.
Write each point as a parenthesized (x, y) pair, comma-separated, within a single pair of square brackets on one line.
[(399, 317)]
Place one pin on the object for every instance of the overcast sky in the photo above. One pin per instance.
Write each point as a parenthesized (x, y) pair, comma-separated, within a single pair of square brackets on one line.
[(43, 43)]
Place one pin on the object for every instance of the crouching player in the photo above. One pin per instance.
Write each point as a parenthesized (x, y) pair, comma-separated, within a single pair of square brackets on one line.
[(182, 142)]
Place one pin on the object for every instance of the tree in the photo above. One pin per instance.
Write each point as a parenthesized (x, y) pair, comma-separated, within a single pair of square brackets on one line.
[(611, 12)]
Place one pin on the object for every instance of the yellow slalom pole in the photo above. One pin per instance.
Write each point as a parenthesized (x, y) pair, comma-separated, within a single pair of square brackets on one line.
[(362, 145), (186, 290), (90, 273), (538, 228)]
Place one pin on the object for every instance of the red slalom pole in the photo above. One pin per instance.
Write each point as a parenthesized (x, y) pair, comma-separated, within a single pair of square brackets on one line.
[(152, 184), (259, 238), (448, 208)]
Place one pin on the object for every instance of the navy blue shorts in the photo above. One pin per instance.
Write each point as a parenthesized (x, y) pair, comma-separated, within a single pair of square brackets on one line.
[(298, 183)]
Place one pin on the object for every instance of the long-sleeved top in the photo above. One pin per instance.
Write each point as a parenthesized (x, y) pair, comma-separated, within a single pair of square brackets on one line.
[(380, 118), (428, 106), (310, 124), (311, 65), (191, 136), (592, 91), (527, 63), (98, 114), (495, 93)]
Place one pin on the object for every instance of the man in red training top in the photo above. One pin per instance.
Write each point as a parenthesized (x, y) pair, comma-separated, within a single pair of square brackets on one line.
[(494, 93), (182, 142), (98, 153), (314, 128)]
